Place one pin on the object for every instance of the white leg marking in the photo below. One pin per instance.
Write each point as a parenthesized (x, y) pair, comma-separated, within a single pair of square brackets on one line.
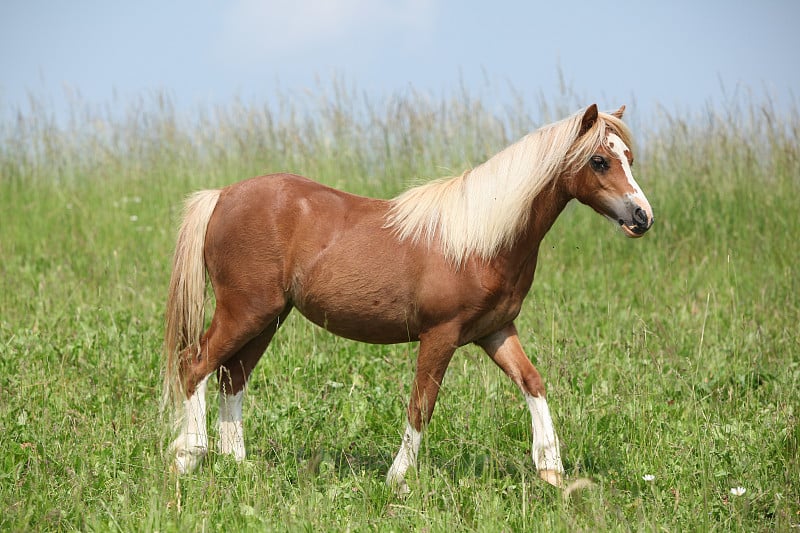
[(192, 443), (231, 430), (546, 452), (406, 457)]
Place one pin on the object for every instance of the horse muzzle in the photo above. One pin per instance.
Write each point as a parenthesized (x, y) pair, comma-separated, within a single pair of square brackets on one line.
[(637, 221)]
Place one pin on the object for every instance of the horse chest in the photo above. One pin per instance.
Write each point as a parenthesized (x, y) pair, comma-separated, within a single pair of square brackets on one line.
[(486, 312)]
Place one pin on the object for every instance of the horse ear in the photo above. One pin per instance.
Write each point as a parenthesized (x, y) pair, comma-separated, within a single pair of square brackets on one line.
[(588, 119), (618, 113)]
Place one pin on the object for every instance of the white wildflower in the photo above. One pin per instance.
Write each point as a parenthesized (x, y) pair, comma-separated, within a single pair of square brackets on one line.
[(738, 491)]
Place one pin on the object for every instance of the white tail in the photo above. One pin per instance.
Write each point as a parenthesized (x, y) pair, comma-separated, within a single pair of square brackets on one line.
[(187, 288)]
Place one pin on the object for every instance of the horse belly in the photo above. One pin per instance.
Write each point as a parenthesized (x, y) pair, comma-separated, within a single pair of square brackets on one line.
[(355, 292), (361, 315)]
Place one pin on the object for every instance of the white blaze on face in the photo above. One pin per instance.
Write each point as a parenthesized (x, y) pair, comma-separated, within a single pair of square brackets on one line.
[(619, 148)]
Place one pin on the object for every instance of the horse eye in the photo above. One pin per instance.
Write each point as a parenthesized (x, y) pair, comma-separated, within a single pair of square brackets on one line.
[(599, 163)]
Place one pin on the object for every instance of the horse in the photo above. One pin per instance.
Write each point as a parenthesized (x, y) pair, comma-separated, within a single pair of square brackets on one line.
[(444, 264)]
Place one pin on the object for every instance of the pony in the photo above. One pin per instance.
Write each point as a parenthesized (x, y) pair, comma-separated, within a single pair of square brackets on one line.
[(445, 264)]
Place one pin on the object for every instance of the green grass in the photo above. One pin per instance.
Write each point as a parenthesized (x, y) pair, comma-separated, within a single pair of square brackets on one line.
[(674, 356)]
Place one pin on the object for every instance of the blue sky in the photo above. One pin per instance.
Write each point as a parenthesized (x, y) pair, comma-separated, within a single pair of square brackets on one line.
[(681, 55)]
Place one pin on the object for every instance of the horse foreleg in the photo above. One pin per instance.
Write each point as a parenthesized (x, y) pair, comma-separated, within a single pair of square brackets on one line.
[(435, 352), (506, 350), (406, 457)]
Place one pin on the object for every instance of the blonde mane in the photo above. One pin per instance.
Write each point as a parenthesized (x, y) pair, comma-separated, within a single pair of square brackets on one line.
[(485, 208)]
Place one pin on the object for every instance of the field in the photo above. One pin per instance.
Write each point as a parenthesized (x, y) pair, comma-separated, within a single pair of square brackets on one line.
[(672, 362)]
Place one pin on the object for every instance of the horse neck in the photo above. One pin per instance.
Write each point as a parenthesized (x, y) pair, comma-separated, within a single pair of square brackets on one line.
[(545, 209)]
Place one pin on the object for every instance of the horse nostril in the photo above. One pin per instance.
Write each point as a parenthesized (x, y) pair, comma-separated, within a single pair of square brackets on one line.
[(640, 217)]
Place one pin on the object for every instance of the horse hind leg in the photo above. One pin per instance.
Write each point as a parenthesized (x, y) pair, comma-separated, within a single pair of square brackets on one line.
[(232, 376), (231, 426), (191, 445), (226, 335)]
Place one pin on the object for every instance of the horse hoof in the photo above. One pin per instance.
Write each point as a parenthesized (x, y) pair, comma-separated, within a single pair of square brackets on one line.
[(552, 476), (576, 486), (398, 485), (233, 450), (188, 459), (401, 489)]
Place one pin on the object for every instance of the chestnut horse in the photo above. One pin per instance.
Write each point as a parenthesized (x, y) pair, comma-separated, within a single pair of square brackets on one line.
[(446, 264)]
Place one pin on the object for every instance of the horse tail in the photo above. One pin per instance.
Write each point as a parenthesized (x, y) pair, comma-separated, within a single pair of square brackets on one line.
[(187, 287)]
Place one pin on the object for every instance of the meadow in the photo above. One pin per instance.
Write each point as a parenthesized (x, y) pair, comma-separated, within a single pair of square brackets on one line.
[(672, 362)]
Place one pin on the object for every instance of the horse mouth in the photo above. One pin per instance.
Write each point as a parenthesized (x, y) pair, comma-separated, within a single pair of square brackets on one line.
[(633, 231)]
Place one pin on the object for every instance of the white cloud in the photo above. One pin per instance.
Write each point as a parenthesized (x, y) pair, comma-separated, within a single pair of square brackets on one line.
[(256, 30)]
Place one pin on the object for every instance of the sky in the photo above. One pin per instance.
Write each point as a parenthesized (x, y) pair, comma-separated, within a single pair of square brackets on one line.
[(673, 55)]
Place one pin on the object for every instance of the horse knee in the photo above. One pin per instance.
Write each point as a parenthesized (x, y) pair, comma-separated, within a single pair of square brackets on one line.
[(422, 403), (533, 384)]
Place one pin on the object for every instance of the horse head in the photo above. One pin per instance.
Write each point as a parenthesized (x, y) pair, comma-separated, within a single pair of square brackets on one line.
[(605, 181)]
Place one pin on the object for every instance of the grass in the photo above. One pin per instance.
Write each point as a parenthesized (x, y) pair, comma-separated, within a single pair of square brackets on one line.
[(674, 356)]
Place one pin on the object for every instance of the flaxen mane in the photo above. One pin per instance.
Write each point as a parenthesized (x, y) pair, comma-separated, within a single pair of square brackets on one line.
[(456, 211)]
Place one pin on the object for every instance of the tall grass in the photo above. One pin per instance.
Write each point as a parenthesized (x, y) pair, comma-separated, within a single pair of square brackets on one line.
[(675, 356)]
